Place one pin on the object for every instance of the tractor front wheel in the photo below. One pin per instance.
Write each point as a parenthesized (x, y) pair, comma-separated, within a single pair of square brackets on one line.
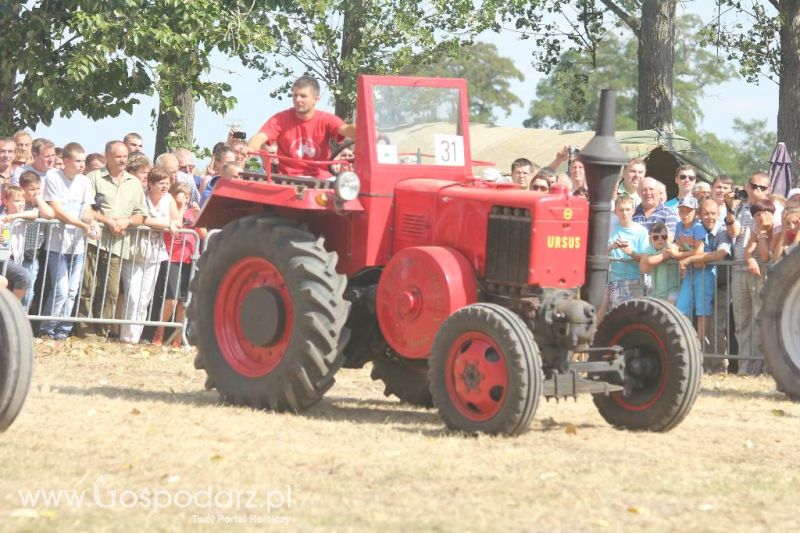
[(485, 371), (268, 314), (16, 358), (663, 365)]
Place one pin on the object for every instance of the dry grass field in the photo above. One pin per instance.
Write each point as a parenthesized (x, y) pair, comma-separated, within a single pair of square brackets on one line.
[(132, 431)]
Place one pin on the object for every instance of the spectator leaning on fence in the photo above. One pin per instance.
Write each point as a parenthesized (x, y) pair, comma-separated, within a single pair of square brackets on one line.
[(181, 248), (12, 240), (120, 204), (745, 286), (656, 261), (35, 207), (70, 195), (717, 247), (147, 252)]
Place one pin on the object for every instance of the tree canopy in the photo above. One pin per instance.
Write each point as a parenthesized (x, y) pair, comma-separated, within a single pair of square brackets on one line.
[(488, 76), (335, 40), (569, 96), (98, 57)]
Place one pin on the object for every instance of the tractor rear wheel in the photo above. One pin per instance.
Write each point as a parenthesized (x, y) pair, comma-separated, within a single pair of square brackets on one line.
[(16, 358), (268, 315), (485, 371), (779, 323), (405, 378), (663, 365)]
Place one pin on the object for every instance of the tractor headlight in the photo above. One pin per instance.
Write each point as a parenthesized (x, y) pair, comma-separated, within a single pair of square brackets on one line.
[(347, 186)]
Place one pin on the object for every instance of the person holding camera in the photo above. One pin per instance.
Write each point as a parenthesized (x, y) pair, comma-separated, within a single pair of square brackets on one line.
[(119, 204), (302, 132), (745, 286)]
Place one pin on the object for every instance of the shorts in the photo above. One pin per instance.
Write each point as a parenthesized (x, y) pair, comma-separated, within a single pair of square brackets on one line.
[(178, 275), (697, 292), (623, 290)]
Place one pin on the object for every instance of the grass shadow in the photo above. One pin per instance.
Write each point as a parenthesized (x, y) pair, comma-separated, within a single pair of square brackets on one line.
[(199, 397), (341, 408), (755, 395)]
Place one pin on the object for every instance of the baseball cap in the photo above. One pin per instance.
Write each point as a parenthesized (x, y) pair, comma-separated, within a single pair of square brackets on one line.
[(792, 192), (688, 201)]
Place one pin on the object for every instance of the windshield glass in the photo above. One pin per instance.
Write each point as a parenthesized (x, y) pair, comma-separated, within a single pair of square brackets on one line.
[(418, 125)]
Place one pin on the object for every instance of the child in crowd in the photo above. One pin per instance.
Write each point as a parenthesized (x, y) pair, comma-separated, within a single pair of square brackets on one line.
[(790, 233), (12, 243), (181, 248), (690, 239), (628, 241), (655, 260), (758, 253), (35, 207)]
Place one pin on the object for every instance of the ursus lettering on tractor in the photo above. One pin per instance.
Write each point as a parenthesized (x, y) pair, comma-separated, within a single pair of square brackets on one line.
[(463, 294)]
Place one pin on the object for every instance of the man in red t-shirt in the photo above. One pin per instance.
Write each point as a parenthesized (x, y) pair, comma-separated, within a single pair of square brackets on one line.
[(302, 132)]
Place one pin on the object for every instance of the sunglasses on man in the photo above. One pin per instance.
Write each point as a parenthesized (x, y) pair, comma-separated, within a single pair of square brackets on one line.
[(756, 187), (658, 237), (687, 177)]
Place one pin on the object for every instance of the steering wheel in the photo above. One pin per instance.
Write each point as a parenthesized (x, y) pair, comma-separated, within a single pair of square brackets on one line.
[(347, 143)]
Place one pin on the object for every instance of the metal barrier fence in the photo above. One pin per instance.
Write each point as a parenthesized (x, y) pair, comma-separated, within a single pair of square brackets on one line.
[(134, 280), (734, 297), (81, 285)]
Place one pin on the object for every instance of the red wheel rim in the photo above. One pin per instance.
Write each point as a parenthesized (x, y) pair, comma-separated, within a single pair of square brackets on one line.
[(244, 357), (476, 376), (645, 338)]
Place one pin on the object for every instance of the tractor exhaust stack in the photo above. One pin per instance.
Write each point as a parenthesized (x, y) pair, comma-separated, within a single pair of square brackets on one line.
[(602, 158)]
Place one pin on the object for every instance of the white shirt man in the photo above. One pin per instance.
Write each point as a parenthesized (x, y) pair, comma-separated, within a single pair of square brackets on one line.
[(44, 156)]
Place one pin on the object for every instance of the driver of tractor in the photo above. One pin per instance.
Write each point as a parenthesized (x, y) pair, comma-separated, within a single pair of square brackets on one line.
[(302, 132)]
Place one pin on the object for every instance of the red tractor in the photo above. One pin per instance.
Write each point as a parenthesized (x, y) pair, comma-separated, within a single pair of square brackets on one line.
[(464, 295)]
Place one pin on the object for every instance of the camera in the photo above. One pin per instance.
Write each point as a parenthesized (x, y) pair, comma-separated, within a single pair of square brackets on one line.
[(740, 194), (574, 151), (99, 198), (239, 135)]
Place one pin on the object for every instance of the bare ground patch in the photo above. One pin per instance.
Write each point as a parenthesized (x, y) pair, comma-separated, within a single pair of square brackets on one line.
[(117, 423)]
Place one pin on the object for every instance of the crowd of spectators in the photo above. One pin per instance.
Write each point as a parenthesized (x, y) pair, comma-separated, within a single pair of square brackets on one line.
[(116, 236)]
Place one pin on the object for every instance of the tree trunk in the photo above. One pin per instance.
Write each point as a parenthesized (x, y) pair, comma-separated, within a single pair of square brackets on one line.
[(789, 91), (175, 129), (656, 58), (352, 35)]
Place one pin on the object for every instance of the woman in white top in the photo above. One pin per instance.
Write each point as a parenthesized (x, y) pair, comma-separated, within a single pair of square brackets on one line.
[(147, 252)]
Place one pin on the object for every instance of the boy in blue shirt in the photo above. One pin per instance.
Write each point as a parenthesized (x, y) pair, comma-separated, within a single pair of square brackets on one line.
[(625, 243)]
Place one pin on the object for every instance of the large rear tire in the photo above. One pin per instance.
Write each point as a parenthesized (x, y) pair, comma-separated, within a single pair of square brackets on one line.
[(16, 358), (268, 315), (779, 323), (663, 365), (405, 378), (485, 371)]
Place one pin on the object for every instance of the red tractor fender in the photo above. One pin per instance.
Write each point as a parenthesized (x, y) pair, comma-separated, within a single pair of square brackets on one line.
[(419, 289)]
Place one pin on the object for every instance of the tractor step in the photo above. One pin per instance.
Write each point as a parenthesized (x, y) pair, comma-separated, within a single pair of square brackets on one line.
[(569, 383)]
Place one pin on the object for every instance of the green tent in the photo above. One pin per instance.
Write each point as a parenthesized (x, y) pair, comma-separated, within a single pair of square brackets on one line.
[(663, 152)]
